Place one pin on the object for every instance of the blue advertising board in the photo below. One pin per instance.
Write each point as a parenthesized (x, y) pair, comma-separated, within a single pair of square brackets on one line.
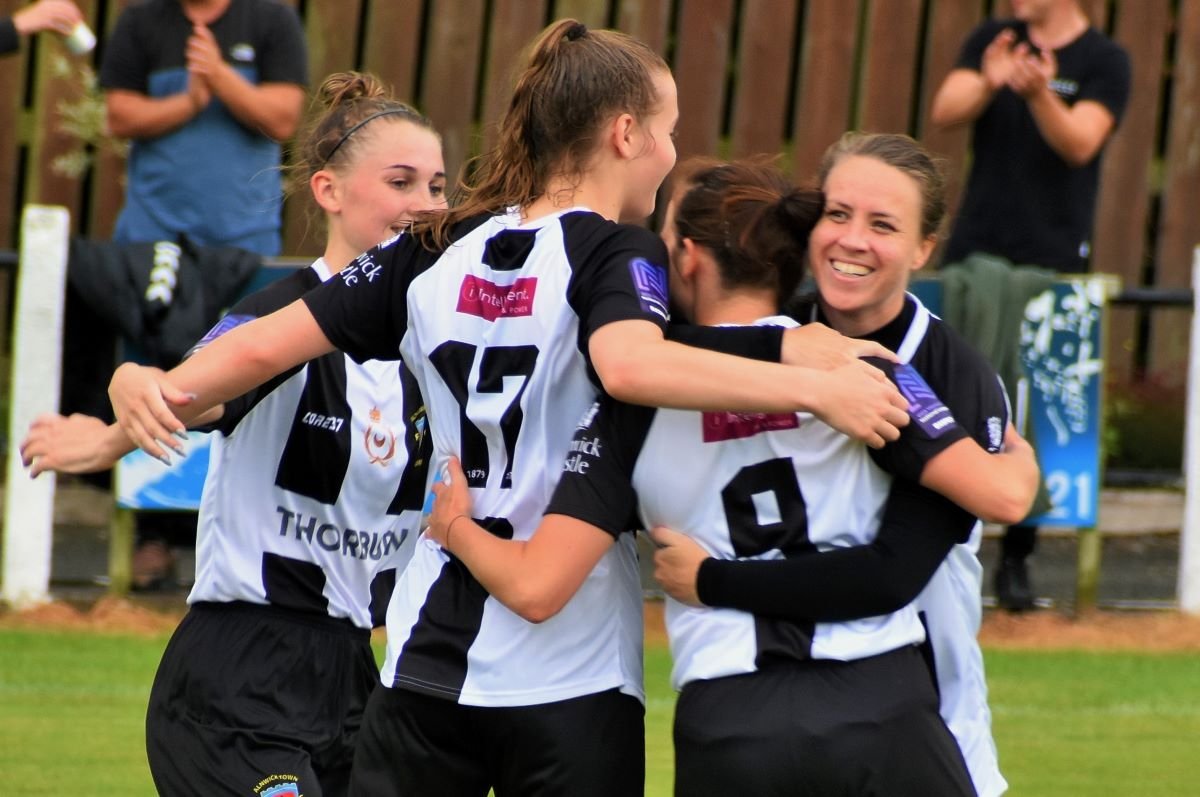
[(142, 482), (1062, 349)]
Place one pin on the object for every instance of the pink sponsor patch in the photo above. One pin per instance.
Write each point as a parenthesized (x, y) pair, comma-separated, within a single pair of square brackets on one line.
[(720, 426), (491, 301)]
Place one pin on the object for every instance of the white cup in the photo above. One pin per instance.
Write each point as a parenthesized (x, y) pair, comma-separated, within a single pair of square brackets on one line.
[(80, 40)]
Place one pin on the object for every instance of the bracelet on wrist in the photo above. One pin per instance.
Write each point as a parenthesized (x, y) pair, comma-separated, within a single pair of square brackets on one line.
[(450, 527)]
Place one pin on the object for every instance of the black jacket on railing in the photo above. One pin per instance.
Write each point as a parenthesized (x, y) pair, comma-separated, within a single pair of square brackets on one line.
[(160, 297), (157, 299)]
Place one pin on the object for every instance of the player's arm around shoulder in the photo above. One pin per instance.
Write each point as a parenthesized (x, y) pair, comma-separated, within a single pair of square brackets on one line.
[(636, 364), (960, 410), (997, 488)]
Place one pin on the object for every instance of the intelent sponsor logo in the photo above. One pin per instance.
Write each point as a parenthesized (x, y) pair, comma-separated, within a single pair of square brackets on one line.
[(351, 543), (924, 407), (489, 301), (718, 426), (582, 449)]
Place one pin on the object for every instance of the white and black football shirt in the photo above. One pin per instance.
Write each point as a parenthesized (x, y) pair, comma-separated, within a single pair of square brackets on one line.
[(495, 328), (747, 486), (951, 604), (316, 480), (910, 547)]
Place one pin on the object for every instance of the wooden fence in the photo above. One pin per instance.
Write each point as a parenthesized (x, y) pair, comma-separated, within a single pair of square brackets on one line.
[(754, 75)]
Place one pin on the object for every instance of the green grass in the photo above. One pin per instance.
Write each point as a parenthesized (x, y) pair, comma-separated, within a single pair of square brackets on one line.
[(1096, 724), (72, 708), (1067, 724)]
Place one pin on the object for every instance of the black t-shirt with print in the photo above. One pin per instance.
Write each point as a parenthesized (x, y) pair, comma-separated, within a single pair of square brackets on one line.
[(1023, 201)]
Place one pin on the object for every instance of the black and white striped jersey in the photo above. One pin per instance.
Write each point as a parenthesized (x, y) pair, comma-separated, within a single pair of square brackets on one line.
[(747, 486), (951, 601), (315, 482), (495, 328)]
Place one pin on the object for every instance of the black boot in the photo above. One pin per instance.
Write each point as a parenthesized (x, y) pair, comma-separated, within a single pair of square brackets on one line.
[(1012, 585)]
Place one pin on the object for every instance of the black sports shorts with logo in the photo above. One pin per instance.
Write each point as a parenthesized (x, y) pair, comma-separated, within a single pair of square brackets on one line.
[(818, 729), (416, 744), (258, 700)]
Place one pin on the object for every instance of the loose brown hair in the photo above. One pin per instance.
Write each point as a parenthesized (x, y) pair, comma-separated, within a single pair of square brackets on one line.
[(751, 217), (572, 79)]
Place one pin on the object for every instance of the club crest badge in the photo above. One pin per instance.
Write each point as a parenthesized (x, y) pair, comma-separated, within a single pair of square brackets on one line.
[(278, 786), (379, 440)]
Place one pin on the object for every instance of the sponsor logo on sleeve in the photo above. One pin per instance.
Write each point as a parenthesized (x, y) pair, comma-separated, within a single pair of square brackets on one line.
[(924, 407), (227, 323), (651, 284), (588, 416), (363, 267), (391, 241), (489, 301), (583, 451), (718, 426)]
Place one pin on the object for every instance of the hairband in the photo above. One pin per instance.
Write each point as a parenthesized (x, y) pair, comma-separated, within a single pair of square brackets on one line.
[(576, 31), (390, 111)]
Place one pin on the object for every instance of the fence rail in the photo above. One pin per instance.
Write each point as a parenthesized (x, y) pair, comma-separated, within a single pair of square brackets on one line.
[(784, 76)]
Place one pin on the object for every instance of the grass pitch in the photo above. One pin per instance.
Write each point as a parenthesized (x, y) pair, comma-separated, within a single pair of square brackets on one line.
[(1067, 723)]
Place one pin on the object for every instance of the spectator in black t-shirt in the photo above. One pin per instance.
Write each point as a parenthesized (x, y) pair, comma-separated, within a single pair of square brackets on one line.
[(1043, 93)]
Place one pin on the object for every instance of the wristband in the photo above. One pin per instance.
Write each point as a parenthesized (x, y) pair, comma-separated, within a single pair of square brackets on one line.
[(450, 526)]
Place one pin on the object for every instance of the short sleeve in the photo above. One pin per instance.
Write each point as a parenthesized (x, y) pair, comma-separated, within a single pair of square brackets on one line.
[(971, 54), (125, 64), (247, 309), (618, 273), (1110, 81), (283, 57), (363, 310), (932, 427), (596, 484)]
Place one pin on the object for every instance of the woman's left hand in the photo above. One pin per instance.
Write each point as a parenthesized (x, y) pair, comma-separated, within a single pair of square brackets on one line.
[(452, 500), (677, 564), (815, 345)]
